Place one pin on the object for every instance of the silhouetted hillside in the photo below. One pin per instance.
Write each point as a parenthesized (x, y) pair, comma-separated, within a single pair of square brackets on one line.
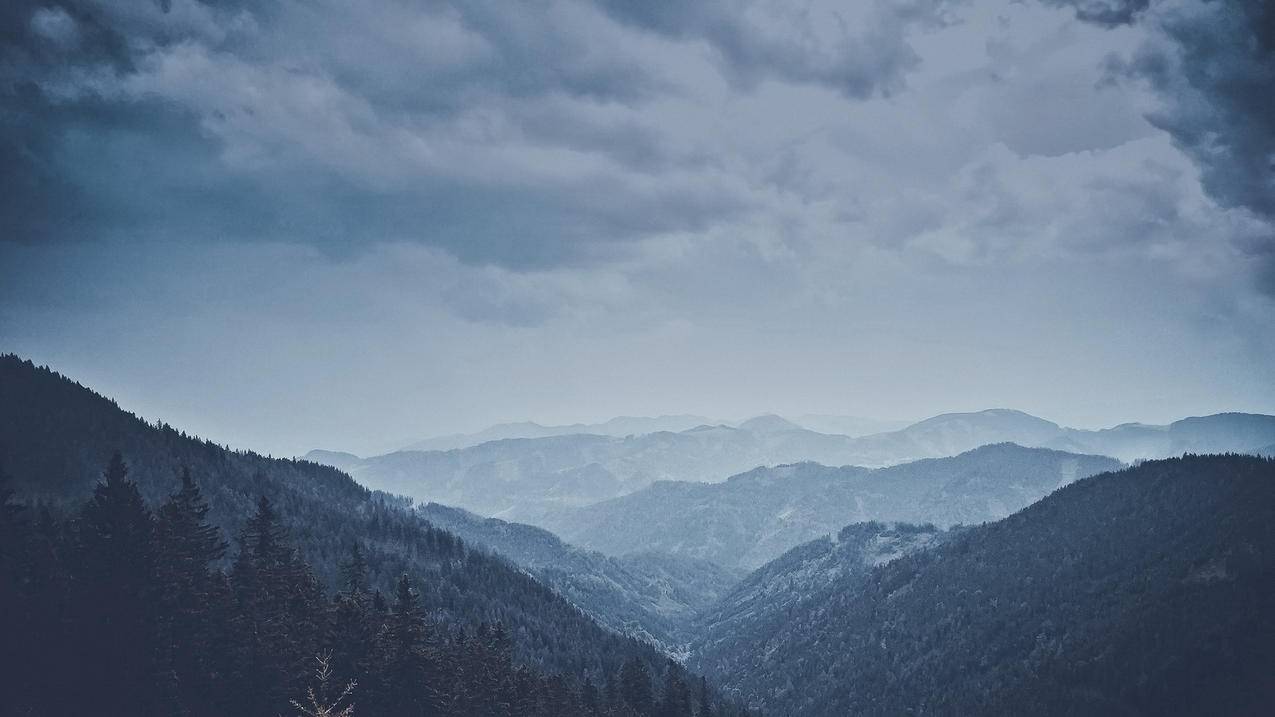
[(56, 437)]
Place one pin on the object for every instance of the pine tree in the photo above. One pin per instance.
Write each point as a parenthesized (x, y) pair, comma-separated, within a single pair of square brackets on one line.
[(279, 614), (116, 594), (354, 572), (403, 670), (351, 638), (193, 599)]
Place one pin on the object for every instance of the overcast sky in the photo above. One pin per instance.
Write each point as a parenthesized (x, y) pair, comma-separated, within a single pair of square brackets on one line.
[(291, 224)]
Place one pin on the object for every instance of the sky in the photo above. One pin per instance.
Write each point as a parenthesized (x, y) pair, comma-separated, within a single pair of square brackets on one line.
[(290, 224)]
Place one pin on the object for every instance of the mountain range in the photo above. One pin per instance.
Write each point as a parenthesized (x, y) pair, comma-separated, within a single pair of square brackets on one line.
[(522, 477), (621, 426), (754, 517)]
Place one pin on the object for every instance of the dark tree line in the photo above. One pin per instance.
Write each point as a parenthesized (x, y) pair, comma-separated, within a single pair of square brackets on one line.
[(118, 609)]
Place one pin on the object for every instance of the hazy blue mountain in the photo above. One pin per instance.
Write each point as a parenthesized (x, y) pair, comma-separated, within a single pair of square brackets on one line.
[(952, 433), (337, 459), (527, 479), (619, 426), (853, 426), (530, 474), (768, 423), (754, 517), (1145, 591), (1219, 433), (651, 596)]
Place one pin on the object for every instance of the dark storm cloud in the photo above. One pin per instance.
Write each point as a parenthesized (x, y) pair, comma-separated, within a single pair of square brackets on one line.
[(1213, 66), (151, 119), (458, 125)]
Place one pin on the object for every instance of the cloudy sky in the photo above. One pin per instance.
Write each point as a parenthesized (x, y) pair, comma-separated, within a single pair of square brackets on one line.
[(299, 223)]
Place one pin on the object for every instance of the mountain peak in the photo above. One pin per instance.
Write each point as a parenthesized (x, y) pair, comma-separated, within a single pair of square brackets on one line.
[(768, 423)]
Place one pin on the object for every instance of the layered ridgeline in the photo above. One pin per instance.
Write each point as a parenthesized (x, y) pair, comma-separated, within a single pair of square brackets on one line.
[(546, 472), (621, 426), (756, 516), (494, 477), (651, 595), (1146, 591), (57, 436)]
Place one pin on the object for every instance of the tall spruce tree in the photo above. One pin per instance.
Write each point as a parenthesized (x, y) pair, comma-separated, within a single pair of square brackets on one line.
[(115, 598), (353, 624), (403, 664), (194, 601), (279, 615), (354, 572)]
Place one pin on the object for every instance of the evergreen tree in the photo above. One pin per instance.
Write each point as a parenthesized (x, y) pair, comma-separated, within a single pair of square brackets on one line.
[(279, 614), (115, 595), (354, 572), (403, 671), (193, 596)]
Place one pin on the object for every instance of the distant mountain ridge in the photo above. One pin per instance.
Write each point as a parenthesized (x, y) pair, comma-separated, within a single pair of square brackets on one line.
[(622, 426), (529, 476), (754, 517), (619, 426)]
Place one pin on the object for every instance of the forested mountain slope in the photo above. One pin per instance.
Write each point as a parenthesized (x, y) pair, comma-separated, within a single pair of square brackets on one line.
[(56, 437), (1149, 590), (651, 595), (756, 516), (760, 605)]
